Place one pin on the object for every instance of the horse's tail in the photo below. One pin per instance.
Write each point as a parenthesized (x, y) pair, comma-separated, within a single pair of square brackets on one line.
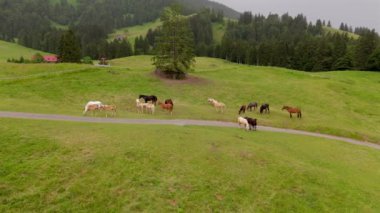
[(85, 110), (300, 113)]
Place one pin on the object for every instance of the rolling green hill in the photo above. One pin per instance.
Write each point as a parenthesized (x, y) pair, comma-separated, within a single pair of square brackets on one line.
[(131, 33), (338, 103), (80, 167), (12, 50)]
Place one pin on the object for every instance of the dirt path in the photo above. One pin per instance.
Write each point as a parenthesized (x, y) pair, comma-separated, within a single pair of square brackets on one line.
[(34, 116)]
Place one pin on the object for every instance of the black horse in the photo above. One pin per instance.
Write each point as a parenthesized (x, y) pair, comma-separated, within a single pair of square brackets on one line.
[(264, 108), (252, 105), (242, 109), (147, 98), (252, 123)]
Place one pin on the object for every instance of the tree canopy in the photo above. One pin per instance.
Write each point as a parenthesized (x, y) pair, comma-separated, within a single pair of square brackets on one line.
[(174, 47)]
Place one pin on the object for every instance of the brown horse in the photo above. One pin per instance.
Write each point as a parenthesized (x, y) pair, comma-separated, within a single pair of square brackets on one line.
[(169, 101), (292, 110), (242, 109), (167, 107)]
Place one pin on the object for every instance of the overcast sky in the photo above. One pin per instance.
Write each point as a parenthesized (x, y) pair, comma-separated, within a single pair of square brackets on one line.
[(353, 12)]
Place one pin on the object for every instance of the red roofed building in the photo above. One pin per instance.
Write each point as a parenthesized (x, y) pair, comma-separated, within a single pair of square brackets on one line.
[(50, 58)]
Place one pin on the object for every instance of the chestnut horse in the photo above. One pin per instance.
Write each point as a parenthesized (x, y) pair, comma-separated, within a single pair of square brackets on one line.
[(292, 110), (167, 107), (169, 101)]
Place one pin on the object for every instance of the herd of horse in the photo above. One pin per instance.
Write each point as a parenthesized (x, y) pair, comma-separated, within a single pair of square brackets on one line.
[(250, 123), (148, 103)]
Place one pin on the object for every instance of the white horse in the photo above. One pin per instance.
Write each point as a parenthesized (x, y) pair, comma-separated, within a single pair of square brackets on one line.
[(219, 106), (243, 121), (97, 103)]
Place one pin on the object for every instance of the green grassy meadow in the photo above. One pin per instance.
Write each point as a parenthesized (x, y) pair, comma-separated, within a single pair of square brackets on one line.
[(71, 167), (338, 103), (334, 30), (131, 33), (11, 50)]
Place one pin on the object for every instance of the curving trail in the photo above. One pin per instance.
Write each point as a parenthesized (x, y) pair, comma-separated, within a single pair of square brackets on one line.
[(179, 122)]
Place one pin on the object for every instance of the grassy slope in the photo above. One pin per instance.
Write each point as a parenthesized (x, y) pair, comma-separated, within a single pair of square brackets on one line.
[(334, 30), (218, 30), (73, 2), (12, 50), (339, 103), (61, 166), (131, 33)]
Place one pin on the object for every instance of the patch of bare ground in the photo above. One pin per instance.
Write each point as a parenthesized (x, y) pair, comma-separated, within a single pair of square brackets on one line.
[(187, 79)]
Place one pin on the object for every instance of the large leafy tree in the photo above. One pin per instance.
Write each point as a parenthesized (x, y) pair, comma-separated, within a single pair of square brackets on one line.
[(175, 45)]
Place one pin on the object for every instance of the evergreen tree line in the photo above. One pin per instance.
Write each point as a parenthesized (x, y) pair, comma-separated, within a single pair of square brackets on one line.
[(200, 25), (294, 43), (40, 24)]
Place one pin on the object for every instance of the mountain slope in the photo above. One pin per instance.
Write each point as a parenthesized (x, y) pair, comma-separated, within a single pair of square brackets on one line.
[(11, 50), (199, 4)]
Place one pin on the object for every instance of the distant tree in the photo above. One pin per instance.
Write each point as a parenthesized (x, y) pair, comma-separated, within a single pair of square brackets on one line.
[(37, 58), (87, 60), (175, 45), (343, 63), (374, 61), (366, 45), (69, 48), (329, 24), (246, 18), (319, 27), (341, 27)]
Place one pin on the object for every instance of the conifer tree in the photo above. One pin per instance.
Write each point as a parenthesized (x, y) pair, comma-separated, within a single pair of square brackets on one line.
[(175, 45), (367, 43), (69, 48)]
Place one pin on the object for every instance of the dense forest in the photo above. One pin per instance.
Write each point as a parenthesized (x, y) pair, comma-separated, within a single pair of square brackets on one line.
[(271, 40), (40, 24), (295, 43), (283, 41)]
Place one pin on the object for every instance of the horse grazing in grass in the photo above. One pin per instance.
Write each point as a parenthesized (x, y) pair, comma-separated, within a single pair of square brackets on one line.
[(167, 107), (244, 122), (264, 108), (252, 105), (242, 109), (109, 108), (94, 105), (147, 98), (252, 123), (92, 108), (150, 108), (292, 110), (219, 106), (169, 101)]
